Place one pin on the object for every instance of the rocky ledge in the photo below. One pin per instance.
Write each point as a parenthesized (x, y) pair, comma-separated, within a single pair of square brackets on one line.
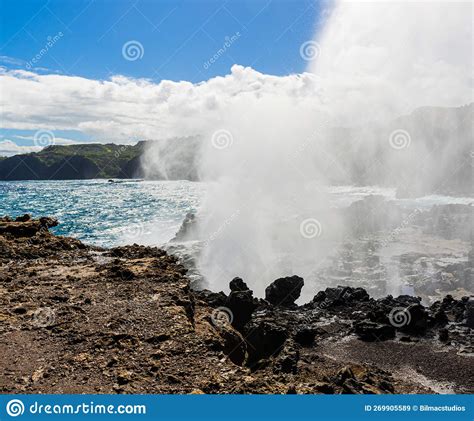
[(80, 319)]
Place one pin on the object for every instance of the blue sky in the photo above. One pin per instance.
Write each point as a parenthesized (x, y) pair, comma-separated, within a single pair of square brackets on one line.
[(175, 39), (178, 37)]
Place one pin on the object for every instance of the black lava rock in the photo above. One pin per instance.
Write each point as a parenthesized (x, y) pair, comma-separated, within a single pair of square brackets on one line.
[(370, 331), (237, 284), (284, 291)]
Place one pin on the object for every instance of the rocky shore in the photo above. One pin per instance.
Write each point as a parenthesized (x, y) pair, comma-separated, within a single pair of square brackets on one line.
[(81, 319)]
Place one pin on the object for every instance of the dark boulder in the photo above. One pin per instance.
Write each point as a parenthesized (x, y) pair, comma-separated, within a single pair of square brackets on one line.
[(265, 339), (287, 359), (417, 321), (24, 218), (284, 291), (370, 331), (469, 314), (339, 296), (242, 304), (237, 284), (213, 299), (305, 335)]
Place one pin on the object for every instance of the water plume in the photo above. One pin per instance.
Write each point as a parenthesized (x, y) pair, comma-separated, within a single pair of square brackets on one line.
[(269, 158)]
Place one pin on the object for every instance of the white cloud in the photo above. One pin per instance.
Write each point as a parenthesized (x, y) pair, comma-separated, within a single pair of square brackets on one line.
[(123, 108), (376, 60), (9, 148)]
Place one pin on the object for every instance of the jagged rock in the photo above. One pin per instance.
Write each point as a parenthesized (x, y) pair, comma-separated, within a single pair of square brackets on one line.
[(265, 338), (237, 284), (418, 319), (291, 390), (343, 374), (214, 299), (242, 304), (288, 357), (370, 331), (235, 346), (160, 331), (339, 296), (284, 291), (26, 217), (305, 335), (443, 335), (454, 310), (25, 226), (470, 314), (322, 387)]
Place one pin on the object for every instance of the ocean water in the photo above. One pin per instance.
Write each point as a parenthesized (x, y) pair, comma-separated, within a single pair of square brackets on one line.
[(147, 212), (106, 214)]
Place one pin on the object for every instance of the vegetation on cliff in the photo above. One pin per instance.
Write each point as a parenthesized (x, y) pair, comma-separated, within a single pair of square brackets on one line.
[(84, 161)]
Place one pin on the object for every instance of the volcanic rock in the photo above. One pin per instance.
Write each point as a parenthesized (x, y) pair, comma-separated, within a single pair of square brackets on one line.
[(237, 284), (370, 331), (470, 314), (284, 291)]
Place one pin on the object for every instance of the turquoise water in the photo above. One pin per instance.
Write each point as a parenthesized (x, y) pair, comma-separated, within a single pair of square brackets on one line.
[(102, 213)]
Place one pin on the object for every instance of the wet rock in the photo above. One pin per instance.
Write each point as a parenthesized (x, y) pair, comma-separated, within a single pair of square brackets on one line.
[(213, 299), (440, 318), (24, 226), (288, 357), (454, 310), (370, 331), (284, 291), (242, 304), (305, 336), (443, 335), (265, 338), (26, 217), (469, 314), (48, 222), (237, 284), (339, 296), (417, 319), (235, 346)]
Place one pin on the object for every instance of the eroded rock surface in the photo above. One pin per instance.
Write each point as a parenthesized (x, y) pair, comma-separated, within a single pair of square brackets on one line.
[(79, 319)]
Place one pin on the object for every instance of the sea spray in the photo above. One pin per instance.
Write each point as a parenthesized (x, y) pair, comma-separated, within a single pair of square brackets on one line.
[(266, 213), (269, 158), (270, 146)]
